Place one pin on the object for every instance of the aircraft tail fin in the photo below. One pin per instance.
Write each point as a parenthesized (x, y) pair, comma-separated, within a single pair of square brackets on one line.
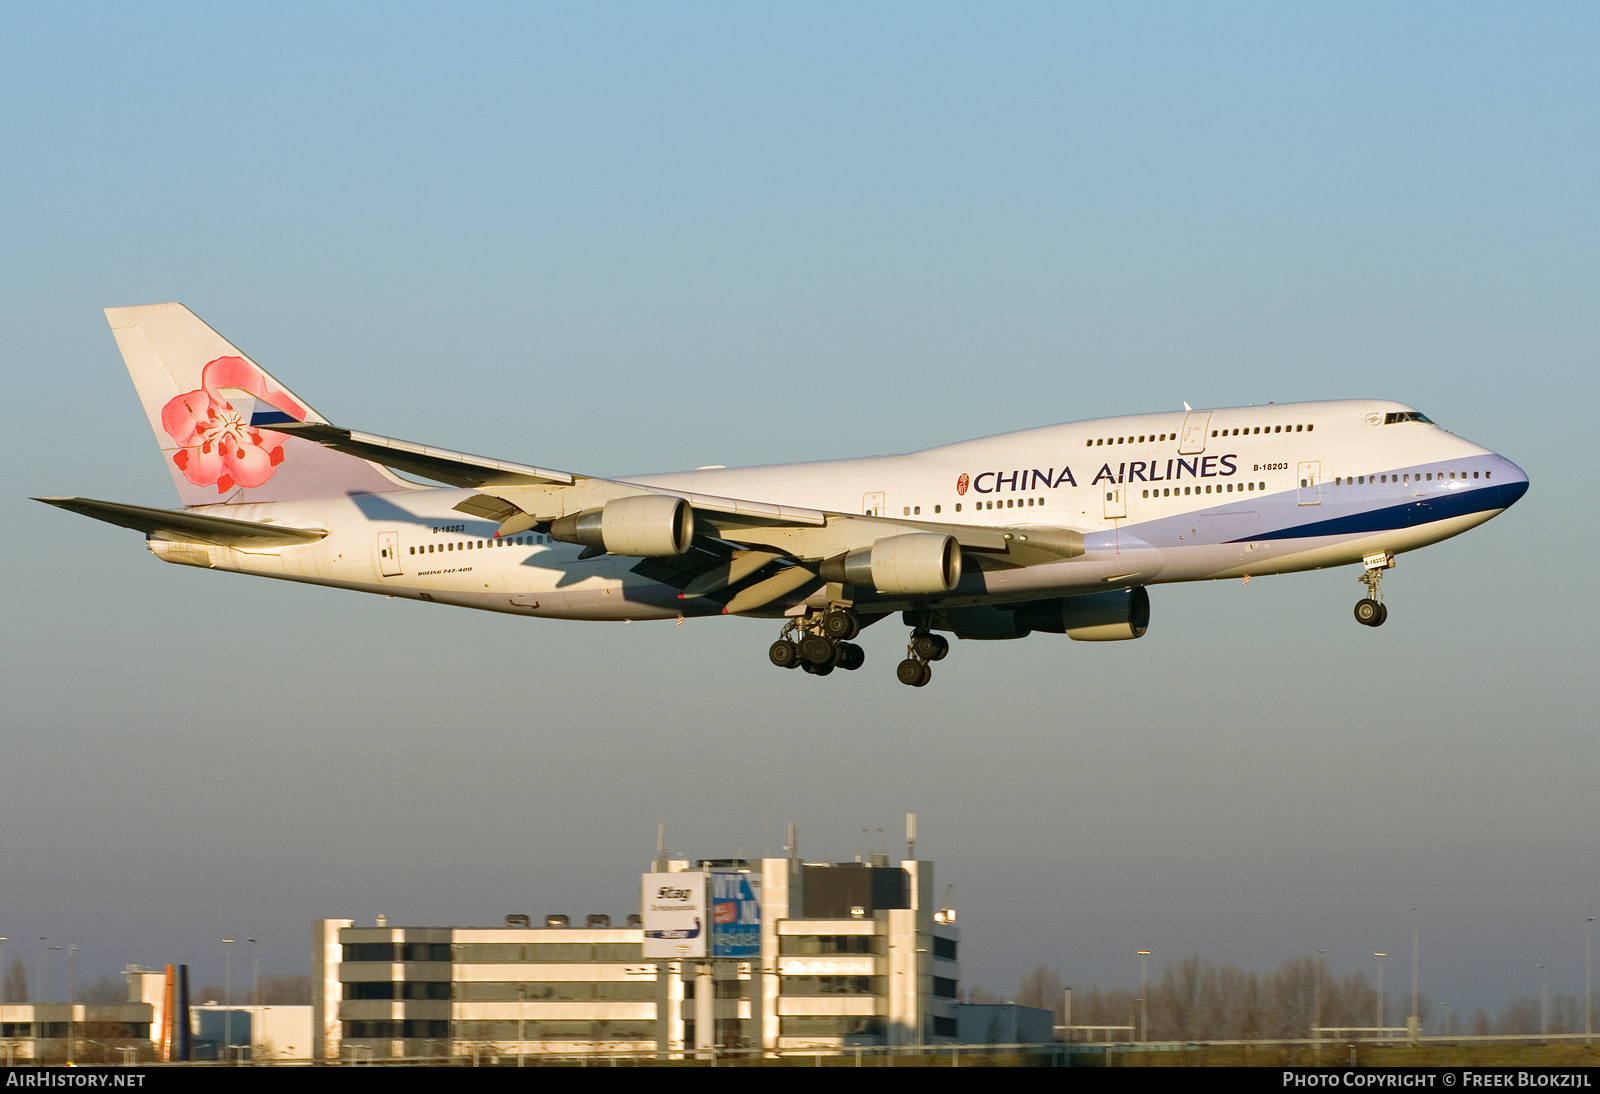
[(212, 409)]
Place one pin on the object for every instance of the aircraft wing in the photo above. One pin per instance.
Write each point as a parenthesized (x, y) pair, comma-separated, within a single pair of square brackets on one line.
[(776, 548), (185, 525), (441, 465)]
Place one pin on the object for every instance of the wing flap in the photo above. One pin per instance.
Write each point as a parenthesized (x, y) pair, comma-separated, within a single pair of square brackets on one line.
[(180, 524)]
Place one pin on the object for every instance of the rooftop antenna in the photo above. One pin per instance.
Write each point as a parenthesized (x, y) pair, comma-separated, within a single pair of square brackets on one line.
[(793, 846), (766, 818), (660, 864), (911, 836)]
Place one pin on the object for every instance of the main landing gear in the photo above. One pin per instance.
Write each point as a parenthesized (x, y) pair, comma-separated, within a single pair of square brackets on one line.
[(923, 648), (1370, 611), (820, 643)]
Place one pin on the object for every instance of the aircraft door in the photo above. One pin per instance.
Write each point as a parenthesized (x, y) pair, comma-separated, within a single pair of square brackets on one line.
[(389, 554), (1116, 501), (1309, 472), (872, 504), (1195, 424)]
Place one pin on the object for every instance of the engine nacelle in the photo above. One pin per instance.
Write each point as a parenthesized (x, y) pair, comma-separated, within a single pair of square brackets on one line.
[(915, 563), (980, 622), (641, 524), (1095, 617)]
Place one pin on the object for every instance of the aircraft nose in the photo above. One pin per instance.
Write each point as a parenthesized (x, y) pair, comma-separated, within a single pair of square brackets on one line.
[(1511, 482)]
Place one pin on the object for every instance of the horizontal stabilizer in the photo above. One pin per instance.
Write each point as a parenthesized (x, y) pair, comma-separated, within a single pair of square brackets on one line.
[(439, 464), (179, 524)]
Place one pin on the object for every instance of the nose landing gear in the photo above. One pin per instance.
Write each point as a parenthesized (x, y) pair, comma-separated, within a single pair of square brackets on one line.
[(1370, 611)]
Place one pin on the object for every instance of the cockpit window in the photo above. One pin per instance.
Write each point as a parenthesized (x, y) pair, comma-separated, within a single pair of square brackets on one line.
[(1406, 416)]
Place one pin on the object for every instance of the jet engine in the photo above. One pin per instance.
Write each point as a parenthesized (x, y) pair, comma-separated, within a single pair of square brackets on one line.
[(981, 622), (917, 562), (1094, 617), (641, 524)]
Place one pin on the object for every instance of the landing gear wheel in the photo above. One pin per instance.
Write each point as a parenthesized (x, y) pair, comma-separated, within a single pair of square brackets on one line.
[(1370, 613), (821, 670), (1383, 614), (784, 654), (913, 673), (850, 657), (816, 650), (930, 647), (840, 625)]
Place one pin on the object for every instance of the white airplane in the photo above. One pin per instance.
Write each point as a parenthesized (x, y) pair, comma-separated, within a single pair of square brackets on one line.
[(1058, 529)]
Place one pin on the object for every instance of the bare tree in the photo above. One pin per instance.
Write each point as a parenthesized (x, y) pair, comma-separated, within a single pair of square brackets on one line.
[(1041, 988), (1519, 1016), (15, 989), (293, 989), (110, 988), (1294, 989)]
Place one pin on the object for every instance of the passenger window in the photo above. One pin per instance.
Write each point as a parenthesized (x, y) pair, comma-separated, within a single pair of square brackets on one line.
[(958, 507), (936, 508), (916, 510)]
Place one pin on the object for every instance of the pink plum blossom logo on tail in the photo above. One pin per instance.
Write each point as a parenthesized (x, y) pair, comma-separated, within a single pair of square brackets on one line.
[(216, 445)]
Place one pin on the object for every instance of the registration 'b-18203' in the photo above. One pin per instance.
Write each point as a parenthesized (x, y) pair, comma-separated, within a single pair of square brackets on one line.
[(1060, 529)]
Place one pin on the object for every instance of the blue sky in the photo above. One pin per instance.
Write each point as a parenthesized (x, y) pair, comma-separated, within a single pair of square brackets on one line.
[(637, 238)]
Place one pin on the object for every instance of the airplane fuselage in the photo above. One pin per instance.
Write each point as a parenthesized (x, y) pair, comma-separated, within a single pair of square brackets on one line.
[(1158, 497)]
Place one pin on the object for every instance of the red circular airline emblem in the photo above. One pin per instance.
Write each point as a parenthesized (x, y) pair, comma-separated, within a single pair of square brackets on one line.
[(961, 484)]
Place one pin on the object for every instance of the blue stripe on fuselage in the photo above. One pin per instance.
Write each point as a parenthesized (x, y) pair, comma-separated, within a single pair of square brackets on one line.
[(1407, 515)]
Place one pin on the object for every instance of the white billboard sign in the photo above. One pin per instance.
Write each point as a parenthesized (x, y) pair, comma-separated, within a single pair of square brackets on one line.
[(675, 919)]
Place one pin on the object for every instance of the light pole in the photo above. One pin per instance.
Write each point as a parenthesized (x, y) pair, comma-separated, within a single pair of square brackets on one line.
[(1588, 975), (1144, 1022), (1416, 1025), (255, 998), (1316, 1008), (522, 1006), (1544, 1000), (255, 974), (227, 998), (72, 991), (5, 974), (1383, 1011)]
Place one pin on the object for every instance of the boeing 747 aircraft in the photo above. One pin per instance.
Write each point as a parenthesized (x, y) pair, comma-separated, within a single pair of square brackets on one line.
[(1059, 529)]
